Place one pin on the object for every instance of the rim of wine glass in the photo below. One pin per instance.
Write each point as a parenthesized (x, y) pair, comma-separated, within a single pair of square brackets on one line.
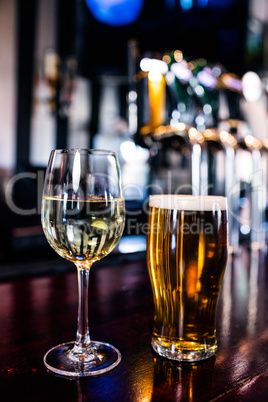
[(84, 150)]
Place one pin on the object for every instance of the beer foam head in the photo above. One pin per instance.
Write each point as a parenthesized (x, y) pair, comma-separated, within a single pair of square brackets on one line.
[(188, 202)]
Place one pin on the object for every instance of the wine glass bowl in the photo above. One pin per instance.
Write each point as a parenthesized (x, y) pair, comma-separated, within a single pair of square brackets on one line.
[(83, 214)]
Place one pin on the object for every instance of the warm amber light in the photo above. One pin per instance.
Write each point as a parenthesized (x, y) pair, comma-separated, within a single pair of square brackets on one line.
[(157, 97), (178, 55), (180, 126), (232, 141), (190, 65), (208, 133), (265, 142), (166, 58), (155, 76), (193, 132), (161, 130), (224, 135), (249, 140), (252, 142)]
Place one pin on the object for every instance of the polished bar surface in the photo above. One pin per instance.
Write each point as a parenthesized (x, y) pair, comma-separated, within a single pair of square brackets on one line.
[(39, 312)]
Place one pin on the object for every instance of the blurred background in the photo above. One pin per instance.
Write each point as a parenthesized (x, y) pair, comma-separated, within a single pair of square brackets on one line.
[(177, 87)]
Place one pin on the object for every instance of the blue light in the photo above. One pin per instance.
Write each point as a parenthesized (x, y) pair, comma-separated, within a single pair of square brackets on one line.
[(186, 4), (115, 12), (202, 3)]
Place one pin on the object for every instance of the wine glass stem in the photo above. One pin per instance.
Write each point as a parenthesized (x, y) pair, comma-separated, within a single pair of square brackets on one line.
[(82, 343)]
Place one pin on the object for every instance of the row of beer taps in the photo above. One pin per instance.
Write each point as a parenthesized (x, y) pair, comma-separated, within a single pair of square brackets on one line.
[(216, 121)]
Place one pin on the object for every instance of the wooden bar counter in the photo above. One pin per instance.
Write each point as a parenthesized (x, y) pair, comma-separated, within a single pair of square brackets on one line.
[(39, 312)]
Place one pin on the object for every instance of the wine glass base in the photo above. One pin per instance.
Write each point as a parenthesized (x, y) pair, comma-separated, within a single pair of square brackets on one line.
[(106, 357)]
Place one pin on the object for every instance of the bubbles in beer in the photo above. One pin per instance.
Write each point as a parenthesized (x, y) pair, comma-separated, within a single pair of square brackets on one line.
[(186, 257)]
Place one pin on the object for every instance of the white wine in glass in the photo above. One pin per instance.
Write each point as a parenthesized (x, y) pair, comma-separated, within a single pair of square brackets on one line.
[(83, 215)]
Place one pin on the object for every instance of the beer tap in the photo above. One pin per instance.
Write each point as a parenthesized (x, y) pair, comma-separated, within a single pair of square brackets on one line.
[(177, 150), (219, 151), (175, 146), (248, 123), (248, 160), (244, 161), (218, 147), (258, 191)]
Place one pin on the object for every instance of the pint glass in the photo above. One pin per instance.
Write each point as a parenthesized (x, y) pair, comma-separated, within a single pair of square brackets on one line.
[(187, 247)]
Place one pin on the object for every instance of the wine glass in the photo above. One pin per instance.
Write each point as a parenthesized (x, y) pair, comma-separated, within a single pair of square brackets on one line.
[(83, 213)]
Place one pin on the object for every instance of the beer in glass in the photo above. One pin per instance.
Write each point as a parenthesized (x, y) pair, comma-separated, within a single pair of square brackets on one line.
[(187, 247)]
